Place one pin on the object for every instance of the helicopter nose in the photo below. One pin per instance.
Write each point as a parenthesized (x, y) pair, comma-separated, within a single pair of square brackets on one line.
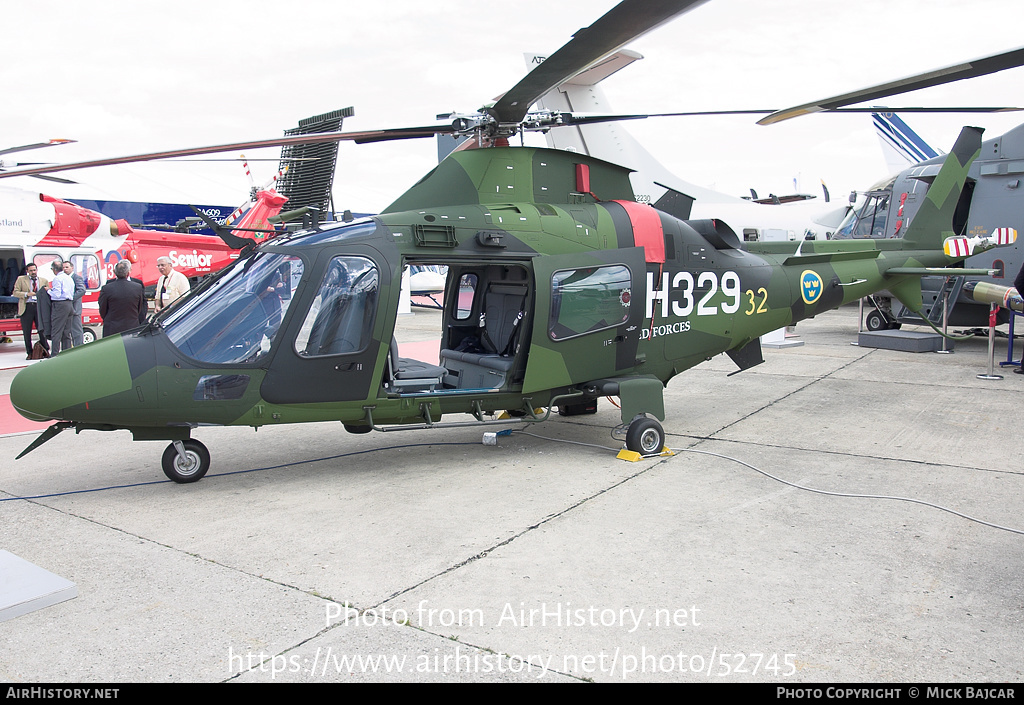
[(63, 386)]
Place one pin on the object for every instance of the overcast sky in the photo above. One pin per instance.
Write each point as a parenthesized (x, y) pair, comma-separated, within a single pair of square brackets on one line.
[(123, 77)]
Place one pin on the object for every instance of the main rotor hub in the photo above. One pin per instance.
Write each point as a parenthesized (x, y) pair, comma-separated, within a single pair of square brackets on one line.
[(487, 129)]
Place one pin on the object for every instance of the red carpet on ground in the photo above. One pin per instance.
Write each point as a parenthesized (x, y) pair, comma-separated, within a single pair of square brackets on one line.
[(13, 422)]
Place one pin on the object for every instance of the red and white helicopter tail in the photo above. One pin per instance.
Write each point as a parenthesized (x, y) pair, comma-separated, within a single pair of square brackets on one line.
[(251, 219)]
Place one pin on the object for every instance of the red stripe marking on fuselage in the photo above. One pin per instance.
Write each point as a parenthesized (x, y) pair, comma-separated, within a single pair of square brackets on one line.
[(647, 230)]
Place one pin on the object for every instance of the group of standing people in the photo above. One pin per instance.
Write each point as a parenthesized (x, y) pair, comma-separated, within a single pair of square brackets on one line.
[(55, 306)]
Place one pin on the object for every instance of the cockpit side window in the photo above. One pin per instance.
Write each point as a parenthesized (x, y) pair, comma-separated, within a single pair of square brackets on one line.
[(340, 319), (237, 319)]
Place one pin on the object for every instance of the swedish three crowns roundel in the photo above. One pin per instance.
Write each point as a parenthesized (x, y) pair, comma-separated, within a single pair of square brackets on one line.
[(811, 286)]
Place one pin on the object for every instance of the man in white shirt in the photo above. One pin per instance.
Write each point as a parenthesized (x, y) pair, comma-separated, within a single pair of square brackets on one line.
[(171, 283), (62, 308)]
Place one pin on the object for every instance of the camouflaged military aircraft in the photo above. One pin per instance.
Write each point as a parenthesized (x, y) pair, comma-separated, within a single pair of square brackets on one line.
[(561, 288)]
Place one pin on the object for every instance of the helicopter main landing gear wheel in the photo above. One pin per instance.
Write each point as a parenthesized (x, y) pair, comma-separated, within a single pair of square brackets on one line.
[(876, 321), (645, 436), (187, 464)]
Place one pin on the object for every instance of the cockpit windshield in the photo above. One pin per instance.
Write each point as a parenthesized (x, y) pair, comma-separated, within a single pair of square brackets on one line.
[(869, 220), (236, 319)]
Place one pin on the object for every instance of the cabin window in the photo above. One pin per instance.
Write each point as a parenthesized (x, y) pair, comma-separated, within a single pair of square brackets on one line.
[(467, 292), (588, 300), (236, 319), (43, 262), (340, 319), (87, 267)]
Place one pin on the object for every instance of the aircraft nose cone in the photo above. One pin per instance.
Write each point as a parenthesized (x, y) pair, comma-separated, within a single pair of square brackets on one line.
[(63, 386)]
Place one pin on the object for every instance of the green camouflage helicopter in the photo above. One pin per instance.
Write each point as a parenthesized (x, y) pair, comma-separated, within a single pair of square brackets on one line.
[(560, 289)]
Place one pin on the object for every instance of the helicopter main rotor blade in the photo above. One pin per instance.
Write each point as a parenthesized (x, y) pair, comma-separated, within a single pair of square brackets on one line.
[(37, 145), (948, 109), (406, 133), (276, 160), (585, 119), (938, 77), (588, 119), (54, 179), (367, 136), (620, 25)]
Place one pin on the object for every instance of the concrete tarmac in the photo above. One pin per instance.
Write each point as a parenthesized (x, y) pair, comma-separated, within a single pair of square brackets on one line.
[(311, 555)]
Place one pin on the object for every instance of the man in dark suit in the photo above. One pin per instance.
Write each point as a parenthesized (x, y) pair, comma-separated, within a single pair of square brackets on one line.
[(27, 288), (122, 301)]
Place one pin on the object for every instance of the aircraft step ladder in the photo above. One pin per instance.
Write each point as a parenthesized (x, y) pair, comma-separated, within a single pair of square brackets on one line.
[(948, 290)]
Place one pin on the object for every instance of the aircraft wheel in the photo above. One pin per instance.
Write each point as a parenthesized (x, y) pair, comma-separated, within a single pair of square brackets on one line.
[(876, 320), (192, 468), (88, 335), (645, 436), (357, 429)]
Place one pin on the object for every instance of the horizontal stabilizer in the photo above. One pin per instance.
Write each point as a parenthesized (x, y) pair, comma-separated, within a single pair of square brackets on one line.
[(845, 256)]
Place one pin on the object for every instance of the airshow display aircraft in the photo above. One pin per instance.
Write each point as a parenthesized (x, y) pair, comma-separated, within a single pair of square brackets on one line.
[(996, 197), (901, 146), (561, 289), (992, 195), (38, 228), (990, 186)]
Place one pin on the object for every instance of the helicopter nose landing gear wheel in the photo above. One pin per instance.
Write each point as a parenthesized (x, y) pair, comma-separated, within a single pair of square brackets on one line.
[(645, 436), (187, 463)]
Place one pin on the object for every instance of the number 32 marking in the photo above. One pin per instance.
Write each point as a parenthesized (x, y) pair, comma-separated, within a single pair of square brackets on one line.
[(754, 306)]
